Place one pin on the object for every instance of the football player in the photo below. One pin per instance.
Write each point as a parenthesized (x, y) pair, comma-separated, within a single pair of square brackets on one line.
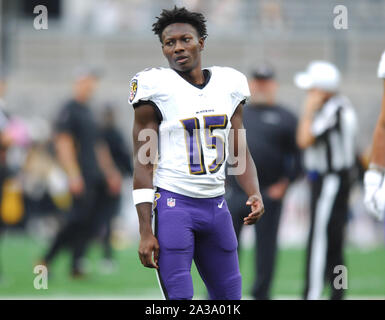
[(191, 110), (374, 181)]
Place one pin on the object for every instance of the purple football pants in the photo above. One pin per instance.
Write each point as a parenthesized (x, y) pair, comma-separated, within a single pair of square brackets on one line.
[(200, 229)]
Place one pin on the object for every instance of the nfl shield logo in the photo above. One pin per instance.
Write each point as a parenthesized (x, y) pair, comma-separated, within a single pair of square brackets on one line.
[(171, 202)]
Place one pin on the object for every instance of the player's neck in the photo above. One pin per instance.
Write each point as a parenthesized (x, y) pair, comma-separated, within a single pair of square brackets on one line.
[(194, 76)]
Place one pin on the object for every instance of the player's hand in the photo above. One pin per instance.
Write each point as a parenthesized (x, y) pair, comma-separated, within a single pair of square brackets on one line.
[(257, 209), (374, 200), (114, 182), (149, 251), (76, 185)]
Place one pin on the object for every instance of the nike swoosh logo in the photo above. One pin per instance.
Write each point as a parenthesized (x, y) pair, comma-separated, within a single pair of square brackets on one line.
[(221, 204)]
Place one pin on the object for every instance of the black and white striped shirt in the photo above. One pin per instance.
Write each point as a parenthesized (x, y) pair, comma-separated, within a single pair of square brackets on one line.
[(335, 128)]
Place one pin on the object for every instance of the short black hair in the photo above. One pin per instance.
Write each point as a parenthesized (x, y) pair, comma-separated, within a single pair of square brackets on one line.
[(175, 15)]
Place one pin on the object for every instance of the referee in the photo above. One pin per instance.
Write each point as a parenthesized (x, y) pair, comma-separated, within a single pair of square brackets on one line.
[(326, 131)]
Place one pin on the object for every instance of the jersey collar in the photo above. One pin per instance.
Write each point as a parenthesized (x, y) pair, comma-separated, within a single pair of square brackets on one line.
[(206, 74)]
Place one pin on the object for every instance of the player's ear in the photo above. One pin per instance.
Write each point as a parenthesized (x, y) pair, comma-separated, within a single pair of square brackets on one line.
[(201, 42)]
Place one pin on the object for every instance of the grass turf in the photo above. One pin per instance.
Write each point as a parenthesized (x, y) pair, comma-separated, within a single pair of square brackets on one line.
[(19, 254)]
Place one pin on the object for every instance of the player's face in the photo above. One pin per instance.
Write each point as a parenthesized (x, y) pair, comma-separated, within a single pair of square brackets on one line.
[(182, 46)]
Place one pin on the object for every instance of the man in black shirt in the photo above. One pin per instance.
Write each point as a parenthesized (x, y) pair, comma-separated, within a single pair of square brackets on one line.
[(121, 156), (270, 130), (90, 170)]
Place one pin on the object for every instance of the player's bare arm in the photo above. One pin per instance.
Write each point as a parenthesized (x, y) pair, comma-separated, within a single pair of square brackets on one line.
[(373, 179), (248, 180), (374, 176), (65, 149), (145, 118)]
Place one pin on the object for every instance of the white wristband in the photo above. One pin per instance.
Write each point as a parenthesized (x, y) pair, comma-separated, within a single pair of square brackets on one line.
[(143, 195), (373, 166)]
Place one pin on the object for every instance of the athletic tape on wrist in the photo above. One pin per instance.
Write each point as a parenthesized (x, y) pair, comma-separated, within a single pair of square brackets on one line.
[(143, 195)]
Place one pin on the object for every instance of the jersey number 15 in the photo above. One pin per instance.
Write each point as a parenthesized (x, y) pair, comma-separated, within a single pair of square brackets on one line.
[(194, 145)]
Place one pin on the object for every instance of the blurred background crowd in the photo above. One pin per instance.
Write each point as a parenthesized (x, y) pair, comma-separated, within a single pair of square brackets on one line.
[(39, 69)]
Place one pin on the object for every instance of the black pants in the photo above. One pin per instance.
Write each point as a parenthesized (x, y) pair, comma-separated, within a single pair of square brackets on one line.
[(82, 224), (112, 208), (329, 208), (266, 238)]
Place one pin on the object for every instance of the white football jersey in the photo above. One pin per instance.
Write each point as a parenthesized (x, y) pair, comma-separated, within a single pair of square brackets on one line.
[(195, 126), (381, 67)]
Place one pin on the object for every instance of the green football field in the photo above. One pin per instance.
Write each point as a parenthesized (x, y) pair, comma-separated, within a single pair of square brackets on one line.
[(19, 254)]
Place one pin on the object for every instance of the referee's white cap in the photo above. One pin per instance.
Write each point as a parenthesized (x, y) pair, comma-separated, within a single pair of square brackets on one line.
[(319, 75)]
